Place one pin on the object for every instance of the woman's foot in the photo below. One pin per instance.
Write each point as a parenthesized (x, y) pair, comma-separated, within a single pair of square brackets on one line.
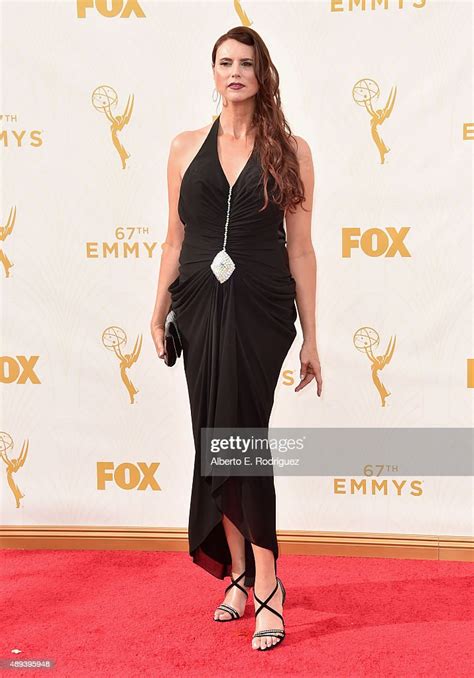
[(235, 598), (265, 618)]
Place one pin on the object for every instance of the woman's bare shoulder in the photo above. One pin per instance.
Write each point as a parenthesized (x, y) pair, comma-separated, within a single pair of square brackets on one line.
[(185, 145), (300, 146), (186, 140)]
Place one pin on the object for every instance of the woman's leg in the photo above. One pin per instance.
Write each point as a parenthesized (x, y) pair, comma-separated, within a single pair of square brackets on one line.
[(234, 596), (265, 582)]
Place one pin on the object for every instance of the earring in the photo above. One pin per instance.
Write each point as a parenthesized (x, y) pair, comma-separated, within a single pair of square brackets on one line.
[(216, 96)]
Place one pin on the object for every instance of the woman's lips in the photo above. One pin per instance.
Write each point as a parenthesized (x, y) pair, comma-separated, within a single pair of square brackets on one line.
[(236, 86)]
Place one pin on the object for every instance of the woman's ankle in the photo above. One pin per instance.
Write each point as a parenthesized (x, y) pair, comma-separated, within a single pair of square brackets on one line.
[(266, 579), (237, 570)]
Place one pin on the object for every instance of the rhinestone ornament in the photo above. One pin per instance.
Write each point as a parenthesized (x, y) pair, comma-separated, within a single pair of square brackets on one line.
[(222, 265)]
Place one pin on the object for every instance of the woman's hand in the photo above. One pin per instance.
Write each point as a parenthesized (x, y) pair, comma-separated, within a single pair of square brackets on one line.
[(158, 335), (310, 367)]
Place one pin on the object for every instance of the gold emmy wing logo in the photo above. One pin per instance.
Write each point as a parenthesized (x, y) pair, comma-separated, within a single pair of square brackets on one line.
[(12, 465), (103, 99), (5, 231), (364, 92), (113, 338), (110, 8), (366, 339), (242, 14)]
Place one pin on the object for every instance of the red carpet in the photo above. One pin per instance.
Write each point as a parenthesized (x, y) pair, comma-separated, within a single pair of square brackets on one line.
[(124, 613)]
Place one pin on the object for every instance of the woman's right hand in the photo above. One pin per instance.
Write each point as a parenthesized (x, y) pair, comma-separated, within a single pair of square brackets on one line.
[(158, 335)]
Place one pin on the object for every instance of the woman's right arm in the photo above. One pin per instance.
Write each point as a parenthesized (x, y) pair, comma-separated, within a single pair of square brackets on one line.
[(171, 248)]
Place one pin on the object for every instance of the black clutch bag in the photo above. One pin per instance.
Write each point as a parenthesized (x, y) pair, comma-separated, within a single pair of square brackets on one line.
[(172, 339)]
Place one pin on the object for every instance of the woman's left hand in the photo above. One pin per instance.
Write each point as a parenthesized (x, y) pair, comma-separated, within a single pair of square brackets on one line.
[(310, 367)]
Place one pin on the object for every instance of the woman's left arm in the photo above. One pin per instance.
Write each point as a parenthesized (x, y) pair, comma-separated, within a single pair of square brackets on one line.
[(303, 266)]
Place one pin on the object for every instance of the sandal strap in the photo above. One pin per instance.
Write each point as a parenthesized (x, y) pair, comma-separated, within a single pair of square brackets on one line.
[(282, 590), (264, 602), (235, 582), (270, 632), (231, 610)]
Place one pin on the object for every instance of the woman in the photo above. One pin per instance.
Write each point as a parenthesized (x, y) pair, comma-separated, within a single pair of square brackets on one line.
[(232, 283)]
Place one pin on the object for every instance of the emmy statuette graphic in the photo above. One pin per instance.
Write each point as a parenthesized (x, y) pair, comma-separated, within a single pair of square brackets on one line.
[(5, 231), (103, 98), (12, 465), (364, 92), (366, 339), (113, 338), (242, 14)]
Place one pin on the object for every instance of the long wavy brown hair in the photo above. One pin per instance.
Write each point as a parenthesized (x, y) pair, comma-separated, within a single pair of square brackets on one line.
[(277, 156)]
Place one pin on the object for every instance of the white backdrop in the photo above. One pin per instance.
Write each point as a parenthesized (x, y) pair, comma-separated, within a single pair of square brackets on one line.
[(61, 389)]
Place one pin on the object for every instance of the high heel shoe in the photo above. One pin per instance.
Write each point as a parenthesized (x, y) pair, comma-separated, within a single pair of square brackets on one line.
[(276, 633), (228, 608)]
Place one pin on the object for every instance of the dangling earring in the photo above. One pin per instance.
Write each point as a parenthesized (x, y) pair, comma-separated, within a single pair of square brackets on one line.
[(216, 96)]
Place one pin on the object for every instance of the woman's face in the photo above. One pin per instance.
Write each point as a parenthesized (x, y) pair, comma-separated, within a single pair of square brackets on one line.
[(235, 63)]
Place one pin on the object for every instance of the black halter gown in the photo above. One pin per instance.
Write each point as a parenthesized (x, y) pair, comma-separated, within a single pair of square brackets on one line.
[(235, 337)]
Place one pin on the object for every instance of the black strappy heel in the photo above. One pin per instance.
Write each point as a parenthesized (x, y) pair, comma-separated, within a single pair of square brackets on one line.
[(278, 633), (228, 608)]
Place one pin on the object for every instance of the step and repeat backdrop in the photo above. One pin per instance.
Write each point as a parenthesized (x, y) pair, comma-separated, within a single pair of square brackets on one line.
[(94, 428)]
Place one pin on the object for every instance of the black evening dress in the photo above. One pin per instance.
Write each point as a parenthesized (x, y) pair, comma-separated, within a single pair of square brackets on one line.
[(235, 337)]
